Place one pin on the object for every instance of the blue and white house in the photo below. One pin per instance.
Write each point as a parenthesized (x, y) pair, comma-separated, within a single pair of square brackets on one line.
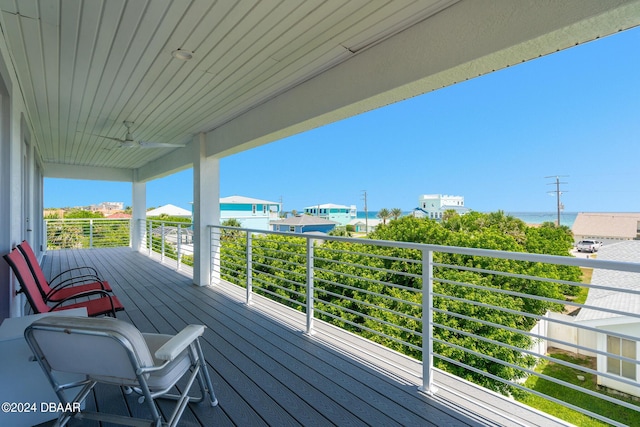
[(339, 213), (304, 224), (250, 212), (433, 206)]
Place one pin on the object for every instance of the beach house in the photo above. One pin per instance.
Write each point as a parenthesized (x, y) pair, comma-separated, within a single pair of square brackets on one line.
[(304, 224), (610, 322), (250, 212), (169, 210), (337, 213), (608, 227), (433, 206)]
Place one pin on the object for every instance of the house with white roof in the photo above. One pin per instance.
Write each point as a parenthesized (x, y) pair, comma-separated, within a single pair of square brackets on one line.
[(338, 213), (170, 210), (620, 334), (433, 206), (251, 213), (362, 225)]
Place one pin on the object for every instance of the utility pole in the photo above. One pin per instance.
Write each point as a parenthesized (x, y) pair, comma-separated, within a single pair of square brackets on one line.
[(366, 213), (558, 193)]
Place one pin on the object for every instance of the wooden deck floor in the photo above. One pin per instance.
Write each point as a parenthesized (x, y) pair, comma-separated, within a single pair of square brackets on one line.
[(266, 371)]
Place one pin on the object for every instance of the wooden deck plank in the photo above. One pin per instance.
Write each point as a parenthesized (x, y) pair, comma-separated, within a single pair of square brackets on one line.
[(339, 413), (138, 286), (368, 410), (268, 387), (266, 371)]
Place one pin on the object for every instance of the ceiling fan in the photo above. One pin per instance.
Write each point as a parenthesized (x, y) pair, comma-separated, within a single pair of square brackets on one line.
[(129, 141)]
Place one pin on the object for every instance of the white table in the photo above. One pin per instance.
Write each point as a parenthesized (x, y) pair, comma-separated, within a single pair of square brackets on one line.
[(22, 380)]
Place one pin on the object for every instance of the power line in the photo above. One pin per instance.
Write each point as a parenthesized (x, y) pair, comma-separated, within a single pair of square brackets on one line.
[(558, 192)]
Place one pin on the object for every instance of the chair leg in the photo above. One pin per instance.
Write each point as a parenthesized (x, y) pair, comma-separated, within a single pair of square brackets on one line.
[(203, 376), (146, 395), (66, 416)]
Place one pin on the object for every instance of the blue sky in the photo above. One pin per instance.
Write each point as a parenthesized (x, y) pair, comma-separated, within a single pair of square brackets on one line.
[(492, 139)]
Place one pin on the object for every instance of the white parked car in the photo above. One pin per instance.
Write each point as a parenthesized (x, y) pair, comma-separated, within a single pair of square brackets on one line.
[(588, 246)]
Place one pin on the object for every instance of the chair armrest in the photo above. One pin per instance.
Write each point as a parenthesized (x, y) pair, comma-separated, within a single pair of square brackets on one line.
[(172, 348), (78, 280), (89, 272)]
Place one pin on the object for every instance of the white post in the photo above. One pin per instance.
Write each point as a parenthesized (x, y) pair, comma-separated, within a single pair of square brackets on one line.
[(139, 214), (249, 268), (310, 291), (150, 238), (206, 211), (162, 241), (427, 323), (179, 245)]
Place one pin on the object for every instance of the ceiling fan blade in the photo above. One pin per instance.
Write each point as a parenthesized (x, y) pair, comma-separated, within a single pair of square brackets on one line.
[(107, 137), (148, 144)]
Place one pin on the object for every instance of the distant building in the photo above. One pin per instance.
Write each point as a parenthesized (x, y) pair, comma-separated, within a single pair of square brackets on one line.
[(360, 225), (433, 206), (607, 227), (170, 210), (339, 213), (304, 224), (107, 208), (610, 323), (251, 213)]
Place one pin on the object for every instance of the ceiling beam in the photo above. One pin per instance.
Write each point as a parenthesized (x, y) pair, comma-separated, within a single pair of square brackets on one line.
[(177, 160), (57, 170)]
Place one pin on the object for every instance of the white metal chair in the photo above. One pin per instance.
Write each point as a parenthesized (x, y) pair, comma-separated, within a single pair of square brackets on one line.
[(112, 351)]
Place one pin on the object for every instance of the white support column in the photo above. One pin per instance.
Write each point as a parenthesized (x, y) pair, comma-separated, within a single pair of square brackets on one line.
[(8, 210), (206, 211), (139, 213)]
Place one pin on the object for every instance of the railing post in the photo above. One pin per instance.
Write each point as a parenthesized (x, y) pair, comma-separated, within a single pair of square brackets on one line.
[(90, 233), (310, 314), (162, 241), (179, 244), (427, 323), (150, 237), (249, 268)]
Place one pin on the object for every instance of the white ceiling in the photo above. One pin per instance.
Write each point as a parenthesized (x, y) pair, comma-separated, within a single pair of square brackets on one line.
[(86, 66)]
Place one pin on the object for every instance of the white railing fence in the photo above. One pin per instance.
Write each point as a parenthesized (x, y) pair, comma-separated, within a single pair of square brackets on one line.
[(168, 240), (481, 314), (468, 311), (87, 233)]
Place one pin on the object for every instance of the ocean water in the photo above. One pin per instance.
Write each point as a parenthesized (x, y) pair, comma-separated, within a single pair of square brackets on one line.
[(566, 218)]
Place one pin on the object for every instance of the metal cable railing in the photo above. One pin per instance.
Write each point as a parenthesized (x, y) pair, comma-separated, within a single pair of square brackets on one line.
[(481, 314), (87, 233)]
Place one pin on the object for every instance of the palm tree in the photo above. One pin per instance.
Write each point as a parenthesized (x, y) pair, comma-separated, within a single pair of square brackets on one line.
[(232, 222), (384, 215), (396, 213), (448, 214)]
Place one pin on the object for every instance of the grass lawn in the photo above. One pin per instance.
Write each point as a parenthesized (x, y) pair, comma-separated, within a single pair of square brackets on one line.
[(593, 404)]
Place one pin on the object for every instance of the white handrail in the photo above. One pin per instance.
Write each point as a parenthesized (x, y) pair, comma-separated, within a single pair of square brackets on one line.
[(307, 273)]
